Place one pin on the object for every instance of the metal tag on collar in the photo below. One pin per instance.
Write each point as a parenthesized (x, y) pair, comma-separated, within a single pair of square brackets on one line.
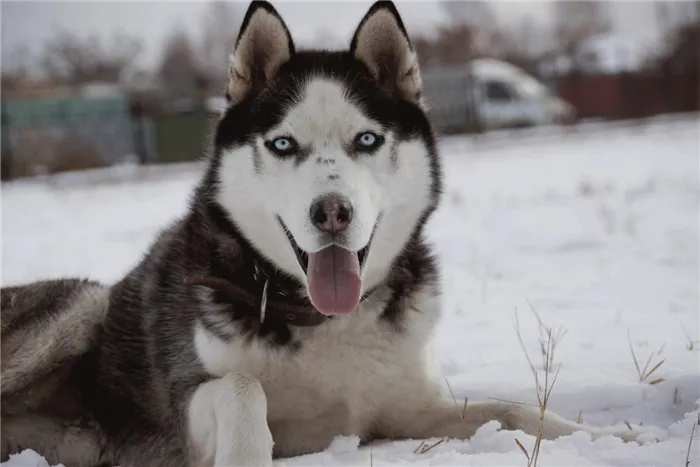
[(263, 302)]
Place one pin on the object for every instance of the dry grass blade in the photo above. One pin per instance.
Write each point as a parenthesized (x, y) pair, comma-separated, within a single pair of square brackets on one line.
[(691, 342), (629, 427), (634, 356), (646, 367), (415, 451), (551, 386), (546, 331), (656, 367), (690, 442), (646, 372), (542, 394), (522, 345), (464, 407), (522, 448), (513, 402), (427, 448), (579, 419)]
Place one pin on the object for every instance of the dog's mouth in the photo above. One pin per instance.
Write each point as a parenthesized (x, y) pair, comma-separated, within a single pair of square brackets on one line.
[(333, 275)]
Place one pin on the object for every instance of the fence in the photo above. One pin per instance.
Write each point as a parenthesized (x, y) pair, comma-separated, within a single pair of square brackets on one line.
[(59, 134), (626, 95), (47, 136)]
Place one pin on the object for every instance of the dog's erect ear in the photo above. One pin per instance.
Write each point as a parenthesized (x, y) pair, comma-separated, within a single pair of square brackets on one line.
[(382, 44), (263, 45)]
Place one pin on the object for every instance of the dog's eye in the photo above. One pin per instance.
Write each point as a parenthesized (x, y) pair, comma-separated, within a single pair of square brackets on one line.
[(282, 146), (367, 140)]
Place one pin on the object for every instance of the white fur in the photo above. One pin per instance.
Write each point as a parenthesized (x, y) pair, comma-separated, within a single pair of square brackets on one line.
[(353, 376), (326, 119), (346, 373), (227, 423)]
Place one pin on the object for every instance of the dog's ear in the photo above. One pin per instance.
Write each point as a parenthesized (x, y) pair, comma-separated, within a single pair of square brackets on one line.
[(263, 45), (382, 44)]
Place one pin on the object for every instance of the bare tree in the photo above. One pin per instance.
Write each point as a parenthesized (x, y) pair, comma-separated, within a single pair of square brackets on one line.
[(15, 69), (675, 21), (74, 60), (456, 44), (453, 45), (575, 22), (474, 13), (478, 15), (524, 44), (179, 73), (220, 24)]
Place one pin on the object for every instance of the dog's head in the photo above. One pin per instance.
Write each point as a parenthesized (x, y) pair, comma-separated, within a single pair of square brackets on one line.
[(326, 161)]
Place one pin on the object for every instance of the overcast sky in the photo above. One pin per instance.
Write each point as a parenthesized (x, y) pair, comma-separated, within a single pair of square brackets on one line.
[(31, 23)]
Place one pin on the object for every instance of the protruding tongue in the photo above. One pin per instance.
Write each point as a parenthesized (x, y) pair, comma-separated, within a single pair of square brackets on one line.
[(334, 280)]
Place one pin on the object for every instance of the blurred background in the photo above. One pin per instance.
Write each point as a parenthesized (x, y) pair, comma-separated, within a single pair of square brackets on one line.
[(93, 84)]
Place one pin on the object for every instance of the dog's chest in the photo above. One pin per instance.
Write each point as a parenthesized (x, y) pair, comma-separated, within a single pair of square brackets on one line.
[(342, 373)]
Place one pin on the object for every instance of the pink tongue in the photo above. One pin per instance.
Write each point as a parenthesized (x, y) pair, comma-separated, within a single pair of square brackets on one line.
[(334, 280)]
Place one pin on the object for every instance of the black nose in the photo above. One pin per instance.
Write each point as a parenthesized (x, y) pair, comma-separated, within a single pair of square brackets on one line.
[(331, 213)]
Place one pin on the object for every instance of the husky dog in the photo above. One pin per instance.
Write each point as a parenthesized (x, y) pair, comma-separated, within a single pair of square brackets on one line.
[(296, 299)]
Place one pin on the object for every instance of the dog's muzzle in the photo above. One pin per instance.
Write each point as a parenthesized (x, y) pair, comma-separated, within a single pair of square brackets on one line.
[(333, 273)]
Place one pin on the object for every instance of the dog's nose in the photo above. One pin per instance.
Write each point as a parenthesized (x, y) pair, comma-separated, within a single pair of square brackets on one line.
[(331, 213)]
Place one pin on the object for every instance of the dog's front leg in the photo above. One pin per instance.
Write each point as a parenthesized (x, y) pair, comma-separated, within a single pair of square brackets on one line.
[(227, 421)]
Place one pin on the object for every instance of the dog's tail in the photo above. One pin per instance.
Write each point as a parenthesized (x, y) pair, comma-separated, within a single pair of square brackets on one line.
[(444, 419), (532, 420)]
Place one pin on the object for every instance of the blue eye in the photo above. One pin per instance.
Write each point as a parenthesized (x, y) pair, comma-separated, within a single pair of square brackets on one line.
[(367, 139), (282, 144)]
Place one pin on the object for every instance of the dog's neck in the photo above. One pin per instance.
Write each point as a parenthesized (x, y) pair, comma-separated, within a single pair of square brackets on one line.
[(247, 283)]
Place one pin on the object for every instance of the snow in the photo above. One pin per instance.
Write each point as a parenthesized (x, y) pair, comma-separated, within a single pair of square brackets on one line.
[(595, 227)]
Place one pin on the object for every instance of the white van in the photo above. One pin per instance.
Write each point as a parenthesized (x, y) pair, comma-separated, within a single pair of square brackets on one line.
[(490, 94)]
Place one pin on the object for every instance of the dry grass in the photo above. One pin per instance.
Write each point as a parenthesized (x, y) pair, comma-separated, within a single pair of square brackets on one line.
[(543, 394), (690, 442), (645, 373), (464, 407), (547, 334), (423, 447), (691, 343)]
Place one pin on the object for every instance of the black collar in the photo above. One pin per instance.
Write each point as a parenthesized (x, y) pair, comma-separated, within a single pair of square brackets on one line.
[(282, 308), (252, 287)]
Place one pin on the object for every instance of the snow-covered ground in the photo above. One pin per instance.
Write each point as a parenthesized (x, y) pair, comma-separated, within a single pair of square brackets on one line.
[(597, 229)]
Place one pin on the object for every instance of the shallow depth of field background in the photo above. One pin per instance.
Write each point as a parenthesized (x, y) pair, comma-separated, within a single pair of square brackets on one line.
[(587, 225)]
